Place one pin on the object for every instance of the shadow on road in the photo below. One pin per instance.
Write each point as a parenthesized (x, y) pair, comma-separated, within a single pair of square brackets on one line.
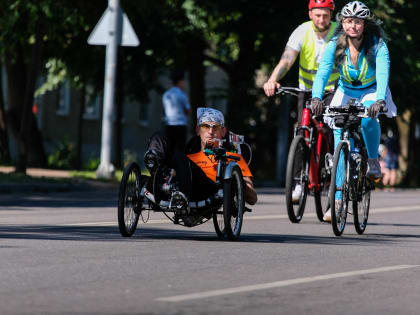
[(66, 200), (147, 234)]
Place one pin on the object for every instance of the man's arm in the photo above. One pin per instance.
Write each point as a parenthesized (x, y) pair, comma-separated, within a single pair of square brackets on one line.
[(250, 193), (286, 62)]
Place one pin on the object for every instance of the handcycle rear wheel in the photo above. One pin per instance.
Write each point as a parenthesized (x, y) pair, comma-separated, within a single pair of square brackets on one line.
[(233, 204), (219, 223), (296, 174), (129, 201), (361, 208), (339, 213)]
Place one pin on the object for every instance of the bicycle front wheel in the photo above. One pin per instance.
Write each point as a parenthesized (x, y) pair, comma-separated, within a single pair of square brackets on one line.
[(339, 188), (129, 202), (361, 207), (296, 189), (233, 204)]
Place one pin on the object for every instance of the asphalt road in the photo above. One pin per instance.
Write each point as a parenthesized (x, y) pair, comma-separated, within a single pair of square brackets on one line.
[(61, 253)]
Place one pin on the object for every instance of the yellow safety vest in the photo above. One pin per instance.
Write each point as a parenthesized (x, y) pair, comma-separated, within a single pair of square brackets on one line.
[(307, 61), (361, 81)]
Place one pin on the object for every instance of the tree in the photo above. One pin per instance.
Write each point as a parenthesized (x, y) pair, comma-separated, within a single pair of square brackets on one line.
[(31, 29)]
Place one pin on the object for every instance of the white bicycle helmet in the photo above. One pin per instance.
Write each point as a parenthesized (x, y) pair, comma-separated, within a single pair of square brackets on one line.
[(355, 9)]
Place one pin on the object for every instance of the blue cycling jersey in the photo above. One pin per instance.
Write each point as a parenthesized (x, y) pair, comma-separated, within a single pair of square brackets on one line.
[(379, 73)]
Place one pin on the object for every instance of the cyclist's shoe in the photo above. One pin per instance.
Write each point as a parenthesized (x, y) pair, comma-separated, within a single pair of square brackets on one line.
[(374, 169), (150, 160), (296, 194), (179, 203), (327, 216)]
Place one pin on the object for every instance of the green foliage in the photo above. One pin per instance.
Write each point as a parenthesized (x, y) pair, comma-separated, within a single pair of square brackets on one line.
[(92, 164), (57, 73), (64, 156)]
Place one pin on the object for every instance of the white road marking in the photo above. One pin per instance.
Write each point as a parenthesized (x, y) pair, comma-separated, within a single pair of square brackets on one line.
[(278, 284), (255, 217)]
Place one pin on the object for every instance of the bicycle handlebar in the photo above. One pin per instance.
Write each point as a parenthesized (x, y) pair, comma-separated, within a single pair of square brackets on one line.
[(357, 108), (290, 90)]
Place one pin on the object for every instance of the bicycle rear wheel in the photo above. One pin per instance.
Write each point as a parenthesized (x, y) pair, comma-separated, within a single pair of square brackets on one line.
[(339, 183), (322, 200), (129, 201), (361, 207), (296, 174)]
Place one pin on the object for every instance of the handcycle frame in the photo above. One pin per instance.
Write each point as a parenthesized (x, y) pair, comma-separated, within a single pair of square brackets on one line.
[(226, 207), (356, 186), (317, 146)]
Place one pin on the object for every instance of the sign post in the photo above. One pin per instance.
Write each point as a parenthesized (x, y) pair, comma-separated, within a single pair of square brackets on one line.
[(113, 29)]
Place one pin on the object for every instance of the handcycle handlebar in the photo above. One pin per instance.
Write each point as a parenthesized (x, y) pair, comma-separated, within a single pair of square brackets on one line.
[(220, 152)]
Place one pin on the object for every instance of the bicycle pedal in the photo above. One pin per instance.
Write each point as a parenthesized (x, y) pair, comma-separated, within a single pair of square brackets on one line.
[(247, 209)]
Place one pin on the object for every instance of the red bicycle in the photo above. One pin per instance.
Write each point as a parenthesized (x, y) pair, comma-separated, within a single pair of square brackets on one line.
[(309, 165)]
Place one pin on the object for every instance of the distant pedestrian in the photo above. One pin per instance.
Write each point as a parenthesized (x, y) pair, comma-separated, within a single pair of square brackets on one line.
[(392, 145), (177, 108)]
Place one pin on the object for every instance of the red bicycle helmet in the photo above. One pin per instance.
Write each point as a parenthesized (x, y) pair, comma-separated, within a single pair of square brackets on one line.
[(321, 4)]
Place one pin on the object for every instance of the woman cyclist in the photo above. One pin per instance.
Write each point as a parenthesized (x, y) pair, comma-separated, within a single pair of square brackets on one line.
[(358, 49)]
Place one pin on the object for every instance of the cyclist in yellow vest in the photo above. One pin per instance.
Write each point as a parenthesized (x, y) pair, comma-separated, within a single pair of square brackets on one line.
[(309, 40)]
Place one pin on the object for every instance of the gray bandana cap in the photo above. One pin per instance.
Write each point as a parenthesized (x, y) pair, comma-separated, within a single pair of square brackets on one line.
[(207, 114)]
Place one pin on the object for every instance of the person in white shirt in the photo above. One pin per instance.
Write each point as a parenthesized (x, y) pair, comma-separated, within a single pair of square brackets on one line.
[(176, 107)]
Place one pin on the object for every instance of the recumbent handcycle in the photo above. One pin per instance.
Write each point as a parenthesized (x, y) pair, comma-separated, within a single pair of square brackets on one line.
[(160, 192)]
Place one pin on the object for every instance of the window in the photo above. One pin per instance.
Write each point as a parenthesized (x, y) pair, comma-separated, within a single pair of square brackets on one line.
[(92, 103), (63, 99)]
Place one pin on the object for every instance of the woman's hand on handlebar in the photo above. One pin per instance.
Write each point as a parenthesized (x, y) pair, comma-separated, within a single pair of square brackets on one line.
[(271, 87), (375, 108)]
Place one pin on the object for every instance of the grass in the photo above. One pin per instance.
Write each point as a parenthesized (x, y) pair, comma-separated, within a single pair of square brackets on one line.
[(18, 178), (91, 175)]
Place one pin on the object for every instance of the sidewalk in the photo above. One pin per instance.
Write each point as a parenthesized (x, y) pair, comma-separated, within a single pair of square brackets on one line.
[(50, 180), (38, 172)]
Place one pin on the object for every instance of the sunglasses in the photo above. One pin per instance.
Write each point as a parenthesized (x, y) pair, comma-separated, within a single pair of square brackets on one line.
[(215, 127)]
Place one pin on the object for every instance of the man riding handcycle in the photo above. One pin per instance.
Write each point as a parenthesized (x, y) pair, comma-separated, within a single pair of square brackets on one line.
[(209, 180)]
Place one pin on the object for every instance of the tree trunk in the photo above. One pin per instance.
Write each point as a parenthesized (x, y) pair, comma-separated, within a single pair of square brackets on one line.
[(4, 137), (412, 178), (28, 122), (197, 74), (79, 141)]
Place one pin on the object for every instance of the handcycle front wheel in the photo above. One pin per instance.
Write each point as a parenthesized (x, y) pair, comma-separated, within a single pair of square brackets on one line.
[(233, 204), (339, 183), (129, 201), (361, 208), (296, 174)]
